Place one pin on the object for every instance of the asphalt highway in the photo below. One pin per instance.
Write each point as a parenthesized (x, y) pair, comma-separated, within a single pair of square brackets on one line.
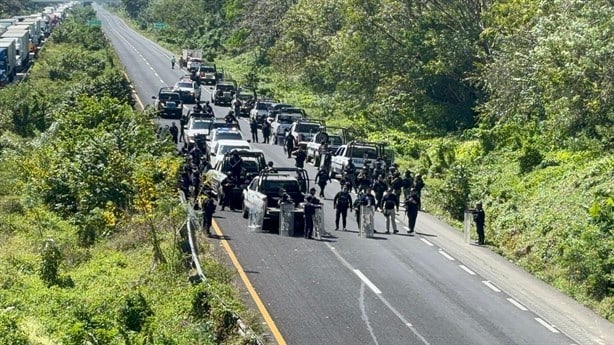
[(428, 289)]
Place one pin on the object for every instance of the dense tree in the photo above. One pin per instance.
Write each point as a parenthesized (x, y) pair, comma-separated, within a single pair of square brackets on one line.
[(553, 67)]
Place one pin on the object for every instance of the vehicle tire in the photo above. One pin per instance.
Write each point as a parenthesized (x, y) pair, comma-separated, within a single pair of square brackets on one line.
[(316, 161), (332, 174)]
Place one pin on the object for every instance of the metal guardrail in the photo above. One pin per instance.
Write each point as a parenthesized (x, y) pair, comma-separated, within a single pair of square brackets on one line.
[(244, 330)]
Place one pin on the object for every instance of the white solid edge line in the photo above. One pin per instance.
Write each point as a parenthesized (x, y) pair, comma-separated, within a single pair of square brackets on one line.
[(446, 255), (367, 281), (491, 286), (426, 241), (517, 304), (545, 324), (466, 269)]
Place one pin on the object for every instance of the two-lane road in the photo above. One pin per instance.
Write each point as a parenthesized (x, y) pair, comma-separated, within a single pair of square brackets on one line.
[(393, 289)]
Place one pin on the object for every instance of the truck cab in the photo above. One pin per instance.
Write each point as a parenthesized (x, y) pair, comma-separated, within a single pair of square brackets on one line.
[(253, 163), (265, 191)]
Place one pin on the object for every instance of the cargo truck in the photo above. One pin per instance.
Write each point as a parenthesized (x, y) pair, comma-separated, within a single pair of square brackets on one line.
[(21, 38), (36, 33), (8, 61)]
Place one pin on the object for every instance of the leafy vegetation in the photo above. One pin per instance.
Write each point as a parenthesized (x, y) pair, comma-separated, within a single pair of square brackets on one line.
[(505, 101), (89, 217)]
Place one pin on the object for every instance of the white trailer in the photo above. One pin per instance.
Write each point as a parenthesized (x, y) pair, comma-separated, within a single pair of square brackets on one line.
[(22, 38), (8, 60)]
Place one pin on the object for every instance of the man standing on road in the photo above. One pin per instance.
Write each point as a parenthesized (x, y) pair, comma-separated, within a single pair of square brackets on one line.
[(253, 126), (173, 62), (479, 217), (342, 202), (411, 208), (289, 143), (379, 188), (322, 179), (308, 213), (390, 202), (300, 157), (174, 133), (266, 131)]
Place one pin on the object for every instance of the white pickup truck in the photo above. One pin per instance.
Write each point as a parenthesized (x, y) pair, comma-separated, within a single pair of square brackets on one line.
[(358, 152), (335, 136), (282, 122), (264, 190)]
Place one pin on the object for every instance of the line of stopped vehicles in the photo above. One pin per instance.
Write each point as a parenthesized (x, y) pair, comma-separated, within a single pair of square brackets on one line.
[(254, 185)]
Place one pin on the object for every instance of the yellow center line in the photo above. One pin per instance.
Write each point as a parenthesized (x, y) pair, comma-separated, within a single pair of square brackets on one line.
[(265, 313)]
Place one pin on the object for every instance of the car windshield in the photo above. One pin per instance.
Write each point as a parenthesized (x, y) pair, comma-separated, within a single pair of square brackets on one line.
[(293, 111), (245, 96), (280, 106), (250, 166), (200, 125), (227, 148), (207, 69), (272, 186), (168, 97), (335, 140), (359, 152), (263, 106), (185, 85), (287, 119), (225, 87), (228, 135), (307, 128)]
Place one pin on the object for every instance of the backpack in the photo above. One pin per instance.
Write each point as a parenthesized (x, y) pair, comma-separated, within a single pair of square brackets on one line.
[(343, 201)]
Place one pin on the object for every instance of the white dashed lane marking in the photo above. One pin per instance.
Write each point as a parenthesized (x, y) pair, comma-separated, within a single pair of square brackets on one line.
[(547, 325), (446, 255), (466, 269), (517, 304), (491, 286), (426, 241)]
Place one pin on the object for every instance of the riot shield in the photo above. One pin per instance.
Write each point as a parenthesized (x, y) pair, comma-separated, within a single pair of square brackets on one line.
[(256, 219), (366, 221), (286, 219), (318, 224), (467, 225)]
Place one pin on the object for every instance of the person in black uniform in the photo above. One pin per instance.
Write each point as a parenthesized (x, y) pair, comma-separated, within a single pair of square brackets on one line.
[(253, 126), (289, 143), (300, 156), (479, 217), (412, 205), (322, 179), (342, 203), (311, 203)]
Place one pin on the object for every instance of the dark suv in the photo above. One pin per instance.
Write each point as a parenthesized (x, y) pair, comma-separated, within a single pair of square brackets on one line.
[(223, 93)]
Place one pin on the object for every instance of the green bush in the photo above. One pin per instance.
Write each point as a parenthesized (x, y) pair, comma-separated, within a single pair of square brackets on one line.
[(10, 333), (529, 158), (51, 258), (455, 192), (135, 312)]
